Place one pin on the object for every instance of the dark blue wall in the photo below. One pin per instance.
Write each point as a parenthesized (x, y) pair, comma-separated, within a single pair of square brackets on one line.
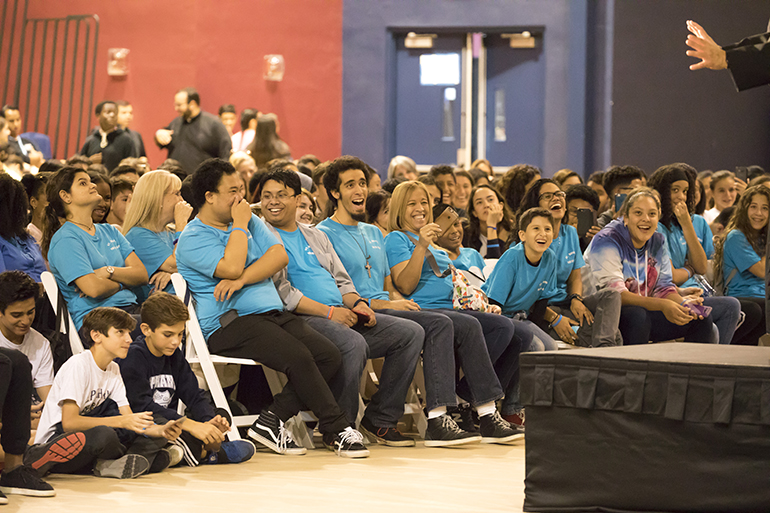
[(367, 52)]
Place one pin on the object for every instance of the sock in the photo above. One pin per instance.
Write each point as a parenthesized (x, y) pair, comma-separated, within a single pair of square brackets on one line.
[(437, 412), (486, 409)]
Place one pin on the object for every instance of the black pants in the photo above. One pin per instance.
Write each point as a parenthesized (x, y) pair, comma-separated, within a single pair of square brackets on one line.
[(104, 443), (753, 325), (285, 343), (15, 400), (639, 326)]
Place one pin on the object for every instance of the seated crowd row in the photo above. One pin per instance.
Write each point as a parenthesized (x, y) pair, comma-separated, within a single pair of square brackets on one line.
[(316, 301)]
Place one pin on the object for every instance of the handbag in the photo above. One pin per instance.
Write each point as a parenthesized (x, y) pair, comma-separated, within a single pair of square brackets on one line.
[(464, 295)]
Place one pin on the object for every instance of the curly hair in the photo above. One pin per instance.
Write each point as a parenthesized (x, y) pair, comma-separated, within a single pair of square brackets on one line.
[(740, 221), (661, 181), (514, 182)]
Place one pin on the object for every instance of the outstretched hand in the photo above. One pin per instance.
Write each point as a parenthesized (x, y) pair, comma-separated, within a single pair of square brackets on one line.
[(704, 48)]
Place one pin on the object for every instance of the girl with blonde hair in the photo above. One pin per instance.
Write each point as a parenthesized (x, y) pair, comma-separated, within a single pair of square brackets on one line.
[(156, 203)]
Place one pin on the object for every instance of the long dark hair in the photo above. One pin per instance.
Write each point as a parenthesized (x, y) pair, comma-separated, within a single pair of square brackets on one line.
[(514, 182), (375, 202), (13, 209), (267, 144), (661, 181), (740, 221), (55, 212), (471, 237)]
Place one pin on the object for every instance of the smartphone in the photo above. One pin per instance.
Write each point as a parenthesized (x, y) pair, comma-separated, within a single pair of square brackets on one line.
[(362, 318), (586, 218), (619, 199), (742, 173), (701, 310), (446, 219), (176, 422)]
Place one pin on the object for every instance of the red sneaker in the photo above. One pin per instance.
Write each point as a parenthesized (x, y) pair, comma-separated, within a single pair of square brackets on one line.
[(517, 419)]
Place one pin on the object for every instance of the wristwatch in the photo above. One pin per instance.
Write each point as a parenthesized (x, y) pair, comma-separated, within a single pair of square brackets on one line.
[(110, 270), (574, 296)]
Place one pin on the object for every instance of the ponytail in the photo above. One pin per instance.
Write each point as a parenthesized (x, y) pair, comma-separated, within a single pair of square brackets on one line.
[(55, 211)]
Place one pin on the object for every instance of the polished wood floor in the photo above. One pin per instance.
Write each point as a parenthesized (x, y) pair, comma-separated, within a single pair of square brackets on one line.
[(474, 479)]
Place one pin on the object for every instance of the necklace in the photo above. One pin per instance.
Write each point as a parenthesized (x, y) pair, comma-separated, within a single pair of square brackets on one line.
[(368, 266), (87, 227)]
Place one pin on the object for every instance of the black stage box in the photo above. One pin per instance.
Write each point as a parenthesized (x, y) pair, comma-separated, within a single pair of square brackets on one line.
[(660, 428)]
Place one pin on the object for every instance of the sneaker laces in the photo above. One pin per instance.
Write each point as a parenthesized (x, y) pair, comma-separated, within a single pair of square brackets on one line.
[(285, 440), (449, 424), (349, 437), (498, 421)]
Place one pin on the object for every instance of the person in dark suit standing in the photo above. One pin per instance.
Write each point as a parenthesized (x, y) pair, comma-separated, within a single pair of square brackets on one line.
[(108, 144)]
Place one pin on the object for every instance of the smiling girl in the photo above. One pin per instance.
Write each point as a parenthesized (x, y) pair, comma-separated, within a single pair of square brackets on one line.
[(629, 256)]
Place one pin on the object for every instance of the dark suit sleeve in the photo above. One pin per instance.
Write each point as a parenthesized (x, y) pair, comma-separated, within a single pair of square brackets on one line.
[(749, 61), (84, 149), (225, 143)]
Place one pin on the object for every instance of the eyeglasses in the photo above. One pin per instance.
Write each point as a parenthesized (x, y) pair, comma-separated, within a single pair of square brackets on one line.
[(548, 196), (281, 196)]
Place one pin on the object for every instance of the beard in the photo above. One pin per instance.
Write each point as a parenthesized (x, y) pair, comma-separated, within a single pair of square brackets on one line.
[(361, 218)]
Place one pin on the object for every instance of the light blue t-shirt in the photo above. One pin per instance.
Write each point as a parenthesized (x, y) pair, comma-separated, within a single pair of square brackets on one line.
[(153, 249), (22, 255), (677, 245), (350, 243), (306, 273), (566, 249), (74, 253), (468, 258), (431, 291), (738, 254), (198, 252), (516, 284)]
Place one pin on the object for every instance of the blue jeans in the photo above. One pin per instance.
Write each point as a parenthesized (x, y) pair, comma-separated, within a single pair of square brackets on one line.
[(450, 337), (398, 340), (640, 326), (725, 313)]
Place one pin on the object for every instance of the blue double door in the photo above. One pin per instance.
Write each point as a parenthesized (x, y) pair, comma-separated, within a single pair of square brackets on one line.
[(463, 99)]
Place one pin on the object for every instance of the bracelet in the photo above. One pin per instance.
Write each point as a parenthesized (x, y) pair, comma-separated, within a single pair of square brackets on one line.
[(361, 300), (558, 320), (493, 245), (331, 312), (241, 230), (689, 274), (120, 286), (491, 228)]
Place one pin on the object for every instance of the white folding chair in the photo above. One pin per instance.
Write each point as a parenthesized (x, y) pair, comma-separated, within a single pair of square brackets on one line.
[(489, 266), (52, 291), (197, 351)]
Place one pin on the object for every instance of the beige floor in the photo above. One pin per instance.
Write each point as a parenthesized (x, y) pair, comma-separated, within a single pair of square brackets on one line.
[(475, 479)]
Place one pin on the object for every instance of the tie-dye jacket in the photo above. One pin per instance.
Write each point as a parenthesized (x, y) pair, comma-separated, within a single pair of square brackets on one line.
[(617, 264)]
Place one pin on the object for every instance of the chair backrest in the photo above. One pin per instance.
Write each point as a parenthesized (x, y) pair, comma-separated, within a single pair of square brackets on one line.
[(489, 266), (52, 291), (196, 346), (42, 141)]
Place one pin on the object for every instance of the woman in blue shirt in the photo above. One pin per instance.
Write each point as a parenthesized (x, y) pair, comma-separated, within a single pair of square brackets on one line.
[(740, 256), (689, 243), (157, 201), (93, 263), (18, 249), (413, 236)]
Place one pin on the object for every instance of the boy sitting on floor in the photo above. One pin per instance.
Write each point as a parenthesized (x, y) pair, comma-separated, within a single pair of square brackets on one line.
[(157, 376), (87, 422)]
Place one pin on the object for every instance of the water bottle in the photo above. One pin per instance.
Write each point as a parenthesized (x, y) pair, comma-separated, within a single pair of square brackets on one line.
[(708, 290)]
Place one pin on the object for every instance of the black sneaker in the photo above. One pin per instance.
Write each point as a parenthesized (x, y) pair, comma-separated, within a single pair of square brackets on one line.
[(270, 431), (161, 461), (385, 435), (127, 467), (465, 418), (23, 480), (495, 430), (443, 431), (60, 449), (348, 443), (3, 499)]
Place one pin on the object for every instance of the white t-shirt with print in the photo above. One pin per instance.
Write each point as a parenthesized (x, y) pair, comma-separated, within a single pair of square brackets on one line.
[(82, 381), (38, 350)]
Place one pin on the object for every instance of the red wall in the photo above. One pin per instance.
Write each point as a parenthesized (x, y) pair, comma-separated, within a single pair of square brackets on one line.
[(218, 48)]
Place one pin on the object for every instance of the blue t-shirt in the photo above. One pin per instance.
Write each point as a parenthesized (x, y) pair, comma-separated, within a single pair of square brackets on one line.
[(198, 252), (306, 273), (516, 284), (468, 258), (566, 249), (153, 249), (350, 243), (738, 254), (431, 291), (677, 245), (22, 255), (74, 253)]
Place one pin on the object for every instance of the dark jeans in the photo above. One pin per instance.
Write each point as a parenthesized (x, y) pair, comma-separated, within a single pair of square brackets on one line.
[(285, 343), (639, 326), (450, 337), (753, 325), (15, 400)]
